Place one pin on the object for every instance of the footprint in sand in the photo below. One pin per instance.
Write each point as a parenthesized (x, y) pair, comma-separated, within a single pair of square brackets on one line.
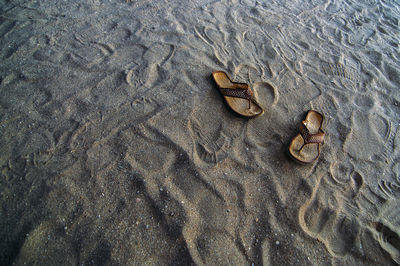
[(210, 149), (345, 175), (329, 215), (267, 94), (48, 55), (364, 102), (368, 136), (90, 56), (148, 69), (144, 105), (387, 229), (248, 73), (340, 71)]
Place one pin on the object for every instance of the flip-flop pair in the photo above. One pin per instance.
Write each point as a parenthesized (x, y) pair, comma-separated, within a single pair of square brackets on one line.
[(304, 147)]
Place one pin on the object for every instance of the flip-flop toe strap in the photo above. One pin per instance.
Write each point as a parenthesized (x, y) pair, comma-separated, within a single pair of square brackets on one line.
[(238, 93), (311, 138)]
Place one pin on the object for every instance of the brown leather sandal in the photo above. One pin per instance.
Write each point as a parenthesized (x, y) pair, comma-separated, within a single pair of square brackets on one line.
[(238, 96), (305, 146)]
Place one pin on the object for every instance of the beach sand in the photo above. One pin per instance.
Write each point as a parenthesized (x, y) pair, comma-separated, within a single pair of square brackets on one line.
[(116, 147)]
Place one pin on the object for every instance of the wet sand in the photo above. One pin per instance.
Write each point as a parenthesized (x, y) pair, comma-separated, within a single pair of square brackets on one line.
[(116, 147)]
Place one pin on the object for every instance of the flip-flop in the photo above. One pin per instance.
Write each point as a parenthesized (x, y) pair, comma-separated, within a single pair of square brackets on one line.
[(238, 96), (305, 146)]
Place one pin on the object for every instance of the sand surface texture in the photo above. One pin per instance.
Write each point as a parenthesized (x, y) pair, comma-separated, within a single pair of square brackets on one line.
[(116, 147)]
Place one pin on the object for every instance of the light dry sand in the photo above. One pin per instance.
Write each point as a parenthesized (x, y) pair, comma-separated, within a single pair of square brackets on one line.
[(117, 149)]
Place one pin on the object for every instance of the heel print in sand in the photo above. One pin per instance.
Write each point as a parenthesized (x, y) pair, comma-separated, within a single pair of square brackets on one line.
[(209, 150)]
